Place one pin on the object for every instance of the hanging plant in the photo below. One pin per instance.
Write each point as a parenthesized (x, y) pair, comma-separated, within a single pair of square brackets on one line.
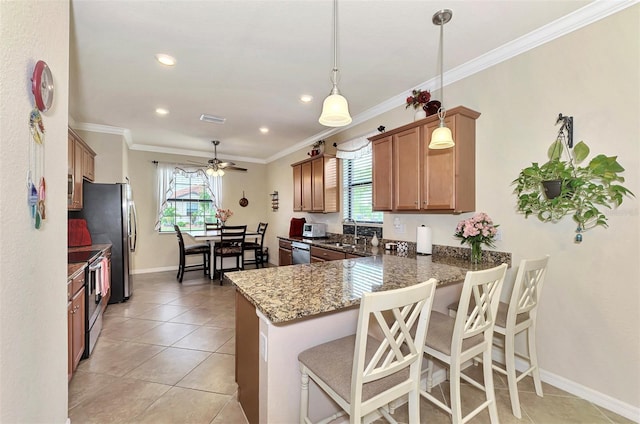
[(580, 191)]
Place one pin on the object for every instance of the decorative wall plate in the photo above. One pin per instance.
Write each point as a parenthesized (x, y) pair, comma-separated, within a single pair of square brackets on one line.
[(42, 86), (244, 201)]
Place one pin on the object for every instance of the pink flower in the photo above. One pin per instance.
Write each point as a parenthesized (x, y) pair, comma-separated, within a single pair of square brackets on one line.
[(477, 229)]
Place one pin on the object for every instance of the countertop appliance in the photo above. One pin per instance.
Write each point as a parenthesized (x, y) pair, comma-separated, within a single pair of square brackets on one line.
[(314, 229), (110, 214), (300, 253)]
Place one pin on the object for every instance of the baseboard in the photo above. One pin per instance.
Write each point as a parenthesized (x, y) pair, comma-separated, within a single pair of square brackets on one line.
[(150, 270), (605, 401)]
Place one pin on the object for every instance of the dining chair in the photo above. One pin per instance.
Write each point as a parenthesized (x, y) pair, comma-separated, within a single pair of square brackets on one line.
[(231, 245), (192, 249), (257, 247), (453, 341), (363, 374), (211, 225)]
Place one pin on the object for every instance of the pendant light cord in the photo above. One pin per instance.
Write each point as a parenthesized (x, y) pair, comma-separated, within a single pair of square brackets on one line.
[(441, 111), (334, 76)]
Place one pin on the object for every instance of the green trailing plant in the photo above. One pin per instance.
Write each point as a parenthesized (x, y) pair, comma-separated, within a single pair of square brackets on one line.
[(584, 189)]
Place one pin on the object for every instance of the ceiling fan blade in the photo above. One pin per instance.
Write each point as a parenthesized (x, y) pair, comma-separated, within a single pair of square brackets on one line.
[(235, 168), (224, 164)]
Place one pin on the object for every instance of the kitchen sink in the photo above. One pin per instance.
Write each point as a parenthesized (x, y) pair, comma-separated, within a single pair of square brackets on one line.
[(343, 245)]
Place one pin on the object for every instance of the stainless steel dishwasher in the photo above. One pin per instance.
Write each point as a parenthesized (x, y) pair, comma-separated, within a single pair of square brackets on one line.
[(300, 253)]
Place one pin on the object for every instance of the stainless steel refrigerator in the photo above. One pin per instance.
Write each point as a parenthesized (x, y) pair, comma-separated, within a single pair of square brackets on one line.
[(111, 218)]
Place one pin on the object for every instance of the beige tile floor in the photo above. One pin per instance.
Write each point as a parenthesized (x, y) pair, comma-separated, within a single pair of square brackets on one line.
[(167, 356)]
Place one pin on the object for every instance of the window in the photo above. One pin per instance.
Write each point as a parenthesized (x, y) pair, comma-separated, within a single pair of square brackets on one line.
[(358, 190), (188, 201)]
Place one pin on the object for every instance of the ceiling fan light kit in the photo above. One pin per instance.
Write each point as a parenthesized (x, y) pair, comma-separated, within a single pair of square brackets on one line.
[(441, 138), (335, 109), (216, 167)]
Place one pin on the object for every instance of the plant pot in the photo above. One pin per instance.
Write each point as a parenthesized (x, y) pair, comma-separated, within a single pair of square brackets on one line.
[(552, 188), (419, 114)]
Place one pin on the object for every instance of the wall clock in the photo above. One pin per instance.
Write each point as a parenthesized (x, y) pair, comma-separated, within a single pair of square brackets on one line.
[(42, 86)]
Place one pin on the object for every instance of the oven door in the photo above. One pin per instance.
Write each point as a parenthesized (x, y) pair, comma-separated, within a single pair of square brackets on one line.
[(94, 304)]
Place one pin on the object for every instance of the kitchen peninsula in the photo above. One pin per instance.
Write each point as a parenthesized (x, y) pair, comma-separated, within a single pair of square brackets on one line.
[(282, 311)]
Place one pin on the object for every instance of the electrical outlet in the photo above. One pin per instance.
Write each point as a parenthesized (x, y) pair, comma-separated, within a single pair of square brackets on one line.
[(263, 347), (498, 236)]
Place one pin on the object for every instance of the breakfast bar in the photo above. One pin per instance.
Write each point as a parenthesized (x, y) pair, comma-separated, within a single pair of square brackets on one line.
[(282, 311)]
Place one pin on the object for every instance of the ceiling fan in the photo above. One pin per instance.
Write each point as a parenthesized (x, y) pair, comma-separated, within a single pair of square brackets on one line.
[(215, 166)]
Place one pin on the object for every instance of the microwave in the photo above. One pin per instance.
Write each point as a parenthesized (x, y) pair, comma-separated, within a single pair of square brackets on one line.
[(313, 229)]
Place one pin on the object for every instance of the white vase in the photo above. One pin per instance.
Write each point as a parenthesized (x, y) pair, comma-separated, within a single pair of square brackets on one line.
[(420, 113), (374, 240)]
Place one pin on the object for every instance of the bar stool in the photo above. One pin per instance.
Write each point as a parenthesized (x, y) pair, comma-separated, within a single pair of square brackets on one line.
[(363, 374), (453, 341)]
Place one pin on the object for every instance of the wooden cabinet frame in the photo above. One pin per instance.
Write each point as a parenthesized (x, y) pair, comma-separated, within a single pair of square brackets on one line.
[(408, 176), (316, 184)]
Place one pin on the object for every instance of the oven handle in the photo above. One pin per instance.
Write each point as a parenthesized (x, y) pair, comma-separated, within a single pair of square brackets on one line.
[(96, 265)]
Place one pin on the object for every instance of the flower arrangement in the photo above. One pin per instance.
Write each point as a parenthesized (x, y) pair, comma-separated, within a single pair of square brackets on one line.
[(418, 99), (224, 214), (475, 231)]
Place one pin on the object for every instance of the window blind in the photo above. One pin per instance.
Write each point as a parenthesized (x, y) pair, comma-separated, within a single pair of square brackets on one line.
[(358, 190)]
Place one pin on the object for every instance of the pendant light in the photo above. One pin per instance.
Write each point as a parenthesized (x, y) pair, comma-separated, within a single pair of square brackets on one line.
[(441, 138), (335, 109)]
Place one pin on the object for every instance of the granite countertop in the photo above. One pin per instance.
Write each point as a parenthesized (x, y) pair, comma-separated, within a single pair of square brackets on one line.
[(287, 293)]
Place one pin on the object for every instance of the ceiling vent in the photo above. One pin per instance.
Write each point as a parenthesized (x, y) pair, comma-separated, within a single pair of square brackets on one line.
[(211, 118)]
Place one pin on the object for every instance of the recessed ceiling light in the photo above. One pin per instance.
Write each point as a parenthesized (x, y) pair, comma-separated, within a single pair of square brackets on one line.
[(165, 59), (162, 111), (264, 130), (305, 98)]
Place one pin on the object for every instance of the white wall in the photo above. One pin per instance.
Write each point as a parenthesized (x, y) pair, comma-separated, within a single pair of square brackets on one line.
[(109, 163), (160, 251), (589, 318), (33, 271)]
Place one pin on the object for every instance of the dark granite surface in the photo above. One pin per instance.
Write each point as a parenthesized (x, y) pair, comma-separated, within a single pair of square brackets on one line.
[(288, 293)]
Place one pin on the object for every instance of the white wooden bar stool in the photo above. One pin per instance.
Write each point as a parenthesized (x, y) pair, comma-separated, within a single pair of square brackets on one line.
[(518, 316), (453, 341), (363, 374)]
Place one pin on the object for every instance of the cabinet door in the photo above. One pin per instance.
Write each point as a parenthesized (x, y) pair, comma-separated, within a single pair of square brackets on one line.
[(69, 340), (307, 183), (75, 169), (382, 164), (438, 185), (317, 185), (331, 179), (449, 181), (88, 165), (325, 254), (78, 312), (284, 257), (406, 166), (297, 188)]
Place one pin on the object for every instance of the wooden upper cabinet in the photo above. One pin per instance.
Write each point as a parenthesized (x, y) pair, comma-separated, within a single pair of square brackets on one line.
[(382, 166), (81, 167), (316, 185), (407, 163), (297, 188), (424, 179)]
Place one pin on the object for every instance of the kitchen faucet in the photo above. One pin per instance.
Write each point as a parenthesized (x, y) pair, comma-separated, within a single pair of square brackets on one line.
[(355, 231)]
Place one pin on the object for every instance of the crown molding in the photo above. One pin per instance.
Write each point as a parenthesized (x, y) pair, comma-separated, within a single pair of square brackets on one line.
[(105, 129), (196, 153)]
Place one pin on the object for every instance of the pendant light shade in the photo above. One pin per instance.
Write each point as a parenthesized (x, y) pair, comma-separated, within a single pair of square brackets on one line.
[(335, 109), (441, 138)]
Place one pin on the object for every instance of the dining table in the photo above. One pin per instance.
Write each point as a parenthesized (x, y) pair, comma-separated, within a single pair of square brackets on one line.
[(212, 236)]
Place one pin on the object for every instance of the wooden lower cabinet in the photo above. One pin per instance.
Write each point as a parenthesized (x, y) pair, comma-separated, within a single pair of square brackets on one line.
[(319, 254), (248, 358), (284, 253), (76, 321)]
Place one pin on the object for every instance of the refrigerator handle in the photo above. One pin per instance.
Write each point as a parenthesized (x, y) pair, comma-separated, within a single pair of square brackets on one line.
[(133, 232)]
